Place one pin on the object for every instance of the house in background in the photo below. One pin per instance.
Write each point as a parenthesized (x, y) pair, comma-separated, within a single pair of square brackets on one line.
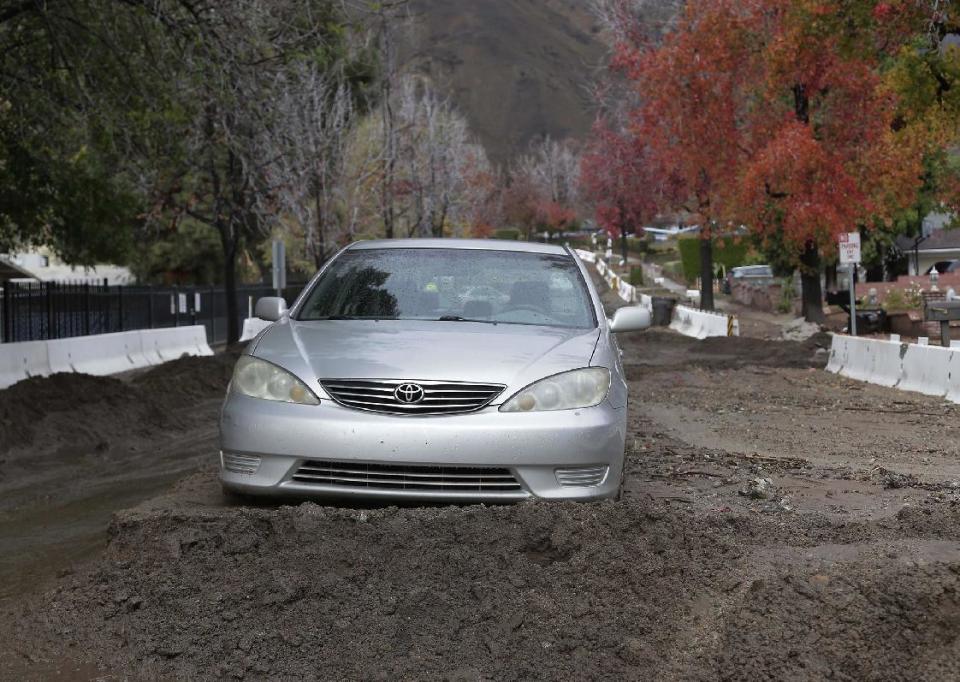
[(42, 266), (935, 245)]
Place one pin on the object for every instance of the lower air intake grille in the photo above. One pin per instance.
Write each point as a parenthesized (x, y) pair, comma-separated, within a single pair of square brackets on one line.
[(411, 397), (583, 477), (407, 477)]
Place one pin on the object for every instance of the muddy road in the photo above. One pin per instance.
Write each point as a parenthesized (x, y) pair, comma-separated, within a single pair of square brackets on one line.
[(777, 521), (74, 449)]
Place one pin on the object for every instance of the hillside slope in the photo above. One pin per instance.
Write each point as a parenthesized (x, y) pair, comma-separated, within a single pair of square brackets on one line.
[(518, 69)]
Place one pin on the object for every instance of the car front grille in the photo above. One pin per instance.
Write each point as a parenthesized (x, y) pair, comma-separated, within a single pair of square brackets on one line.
[(407, 477), (438, 397)]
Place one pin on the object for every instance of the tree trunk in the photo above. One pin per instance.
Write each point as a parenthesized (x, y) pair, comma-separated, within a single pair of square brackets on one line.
[(624, 246), (811, 292), (830, 273), (706, 269)]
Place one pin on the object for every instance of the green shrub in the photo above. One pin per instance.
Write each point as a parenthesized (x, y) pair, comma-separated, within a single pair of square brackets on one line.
[(902, 299), (730, 252), (785, 304), (636, 276), (673, 269), (512, 234)]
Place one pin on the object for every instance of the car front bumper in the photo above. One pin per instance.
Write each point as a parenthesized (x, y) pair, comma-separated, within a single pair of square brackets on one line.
[(273, 440)]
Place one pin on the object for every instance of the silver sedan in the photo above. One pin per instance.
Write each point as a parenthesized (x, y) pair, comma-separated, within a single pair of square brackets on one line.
[(448, 370)]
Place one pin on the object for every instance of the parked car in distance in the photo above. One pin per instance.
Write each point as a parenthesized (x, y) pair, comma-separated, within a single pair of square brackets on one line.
[(433, 370), (944, 266), (757, 274)]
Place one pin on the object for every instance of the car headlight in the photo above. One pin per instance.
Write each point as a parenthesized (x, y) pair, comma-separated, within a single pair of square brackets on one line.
[(567, 391), (260, 379)]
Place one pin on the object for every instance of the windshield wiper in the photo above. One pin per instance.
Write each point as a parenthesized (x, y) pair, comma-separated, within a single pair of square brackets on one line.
[(457, 318), (350, 317)]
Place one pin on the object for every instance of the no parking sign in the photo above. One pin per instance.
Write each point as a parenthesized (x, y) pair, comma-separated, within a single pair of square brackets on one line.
[(850, 248)]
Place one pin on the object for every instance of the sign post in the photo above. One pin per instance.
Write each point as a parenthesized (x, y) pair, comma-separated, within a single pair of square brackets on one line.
[(850, 255), (279, 266)]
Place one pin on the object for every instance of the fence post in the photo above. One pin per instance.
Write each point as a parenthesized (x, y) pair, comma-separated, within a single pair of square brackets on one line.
[(105, 297), (150, 305), (86, 308), (6, 311), (120, 306), (50, 286), (29, 312), (213, 319)]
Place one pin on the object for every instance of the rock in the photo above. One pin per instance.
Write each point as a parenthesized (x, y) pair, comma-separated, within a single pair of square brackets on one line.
[(759, 489)]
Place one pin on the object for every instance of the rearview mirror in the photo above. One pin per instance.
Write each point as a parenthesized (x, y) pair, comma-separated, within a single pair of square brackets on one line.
[(271, 308), (630, 319)]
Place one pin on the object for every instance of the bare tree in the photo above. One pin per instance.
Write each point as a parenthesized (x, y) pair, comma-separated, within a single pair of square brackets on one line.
[(438, 158), (315, 110)]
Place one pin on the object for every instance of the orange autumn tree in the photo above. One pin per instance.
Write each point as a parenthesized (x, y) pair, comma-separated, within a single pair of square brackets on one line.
[(690, 86), (827, 156), (621, 180), (773, 113)]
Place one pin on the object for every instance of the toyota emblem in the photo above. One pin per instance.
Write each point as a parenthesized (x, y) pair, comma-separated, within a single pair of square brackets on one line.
[(408, 394)]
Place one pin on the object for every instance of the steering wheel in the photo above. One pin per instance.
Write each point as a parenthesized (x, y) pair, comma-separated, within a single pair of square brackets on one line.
[(524, 306)]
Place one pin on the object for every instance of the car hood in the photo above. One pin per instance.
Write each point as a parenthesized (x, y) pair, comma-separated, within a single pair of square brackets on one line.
[(513, 355)]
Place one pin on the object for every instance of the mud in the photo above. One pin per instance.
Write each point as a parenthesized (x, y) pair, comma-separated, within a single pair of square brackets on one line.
[(777, 522), (74, 449)]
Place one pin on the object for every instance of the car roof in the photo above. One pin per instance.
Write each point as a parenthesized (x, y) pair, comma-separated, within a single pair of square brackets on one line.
[(474, 244)]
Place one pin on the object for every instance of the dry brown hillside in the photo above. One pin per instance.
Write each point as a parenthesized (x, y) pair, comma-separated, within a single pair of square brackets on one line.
[(517, 69)]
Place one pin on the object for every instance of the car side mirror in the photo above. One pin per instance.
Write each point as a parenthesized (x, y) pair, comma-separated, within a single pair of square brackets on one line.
[(630, 319), (271, 308)]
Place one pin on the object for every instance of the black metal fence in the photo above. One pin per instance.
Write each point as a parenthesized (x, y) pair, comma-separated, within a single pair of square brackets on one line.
[(34, 311)]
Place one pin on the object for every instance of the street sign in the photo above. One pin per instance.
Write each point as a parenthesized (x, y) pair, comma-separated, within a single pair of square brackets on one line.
[(850, 248), (850, 255)]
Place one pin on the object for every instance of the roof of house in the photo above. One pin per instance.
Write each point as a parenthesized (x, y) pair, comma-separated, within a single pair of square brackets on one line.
[(940, 240), (10, 271)]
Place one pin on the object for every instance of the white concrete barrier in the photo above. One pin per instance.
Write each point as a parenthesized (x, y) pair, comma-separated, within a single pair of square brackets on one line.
[(175, 342), (930, 370), (99, 355), (586, 256), (839, 351), (19, 361), (953, 376), (926, 370), (701, 324), (251, 327)]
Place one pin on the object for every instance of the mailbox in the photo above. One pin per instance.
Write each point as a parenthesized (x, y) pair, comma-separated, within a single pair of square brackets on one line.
[(943, 312)]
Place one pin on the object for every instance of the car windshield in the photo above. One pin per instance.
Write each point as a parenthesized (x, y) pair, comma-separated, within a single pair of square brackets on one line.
[(503, 287)]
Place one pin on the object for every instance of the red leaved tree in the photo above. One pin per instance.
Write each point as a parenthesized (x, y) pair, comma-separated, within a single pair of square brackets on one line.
[(773, 113), (827, 157), (620, 178), (689, 87)]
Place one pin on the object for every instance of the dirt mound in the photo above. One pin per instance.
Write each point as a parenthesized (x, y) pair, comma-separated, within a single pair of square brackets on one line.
[(25, 404), (745, 351), (547, 591), (79, 408), (193, 378), (667, 350)]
